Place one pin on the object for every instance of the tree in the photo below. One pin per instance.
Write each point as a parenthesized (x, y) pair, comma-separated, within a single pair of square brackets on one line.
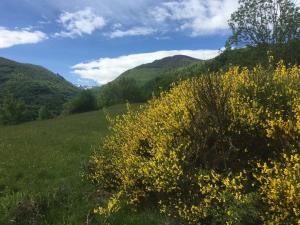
[(120, 91), (262, 22), (44, 113), (85, 101), (12, 111)]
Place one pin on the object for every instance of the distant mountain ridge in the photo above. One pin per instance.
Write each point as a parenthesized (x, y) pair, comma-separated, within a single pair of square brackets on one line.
[(171, 62), (132, 85), (35, 85), (146, 72), (141, 83)]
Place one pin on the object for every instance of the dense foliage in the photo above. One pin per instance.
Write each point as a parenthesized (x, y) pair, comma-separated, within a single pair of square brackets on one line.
[(35, 86), (280, 189), (210, 150), (260, 22), (120, 91), (85, 101), (12, 111), (44, 113)]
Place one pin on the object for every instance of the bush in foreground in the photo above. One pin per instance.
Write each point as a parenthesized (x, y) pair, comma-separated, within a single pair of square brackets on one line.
[(194, 151)]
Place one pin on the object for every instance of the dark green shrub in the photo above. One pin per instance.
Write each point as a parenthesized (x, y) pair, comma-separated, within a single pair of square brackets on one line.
[(120, 91), (44, 113), (85, 101), (12, 111)]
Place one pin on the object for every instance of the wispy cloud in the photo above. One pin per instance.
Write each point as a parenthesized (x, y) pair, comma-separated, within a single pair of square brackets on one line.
[(9, 38), (105, 70), (79, 23), (141, 17), (201, 17), (193, 17), (135, 31)]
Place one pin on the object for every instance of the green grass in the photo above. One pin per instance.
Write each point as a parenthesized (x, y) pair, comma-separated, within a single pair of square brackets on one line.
[(148, 72), (143, 75), (44, 159)]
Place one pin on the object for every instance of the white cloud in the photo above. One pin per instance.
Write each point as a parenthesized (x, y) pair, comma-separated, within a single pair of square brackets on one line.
[(200, 16), (117, 26), (81, 22), (9, 38), (105, 70), (135, 31)]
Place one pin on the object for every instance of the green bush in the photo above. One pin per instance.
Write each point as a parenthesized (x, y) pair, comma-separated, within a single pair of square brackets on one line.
[(120, 91), (12, 111), (85, 101), (44, 113)]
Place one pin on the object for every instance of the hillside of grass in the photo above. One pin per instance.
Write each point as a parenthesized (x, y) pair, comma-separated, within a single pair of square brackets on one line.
[(130, 86), (34, 85), (41, 166), (144, 73), (141, 83), (243, 57)]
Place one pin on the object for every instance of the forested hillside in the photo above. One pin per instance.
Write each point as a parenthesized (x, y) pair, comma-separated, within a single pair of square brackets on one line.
[(34, 86)]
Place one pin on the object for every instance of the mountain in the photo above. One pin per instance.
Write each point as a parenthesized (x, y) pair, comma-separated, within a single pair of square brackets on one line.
[(243, 57), (141, 83), (146, 72), (129, 86), (34, 85)]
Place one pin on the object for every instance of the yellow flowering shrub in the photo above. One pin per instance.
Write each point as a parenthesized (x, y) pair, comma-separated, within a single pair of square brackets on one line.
[(185, 150), (266, 103), (279, 186), (144, 148), (218, 199)]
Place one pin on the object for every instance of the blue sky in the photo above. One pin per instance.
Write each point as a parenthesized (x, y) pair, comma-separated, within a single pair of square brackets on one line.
[(93, 41)]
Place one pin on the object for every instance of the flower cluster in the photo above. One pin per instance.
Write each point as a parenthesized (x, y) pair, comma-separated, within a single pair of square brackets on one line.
[(279, 185), (195, 147)]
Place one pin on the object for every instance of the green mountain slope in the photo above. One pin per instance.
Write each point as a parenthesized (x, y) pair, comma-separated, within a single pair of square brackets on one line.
[(243, 57), (140, 83), (129, 86), (34, 85), (144, 73)]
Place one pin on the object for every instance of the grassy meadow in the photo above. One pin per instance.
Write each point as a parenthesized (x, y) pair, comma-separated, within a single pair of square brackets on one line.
[(41, 165), (209, 140)]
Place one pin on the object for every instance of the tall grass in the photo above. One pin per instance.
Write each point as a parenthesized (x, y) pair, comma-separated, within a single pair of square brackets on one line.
[(40, 167)]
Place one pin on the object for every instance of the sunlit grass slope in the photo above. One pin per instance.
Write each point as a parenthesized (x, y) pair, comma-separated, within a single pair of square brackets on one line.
[(45, 158), (40, 154)]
